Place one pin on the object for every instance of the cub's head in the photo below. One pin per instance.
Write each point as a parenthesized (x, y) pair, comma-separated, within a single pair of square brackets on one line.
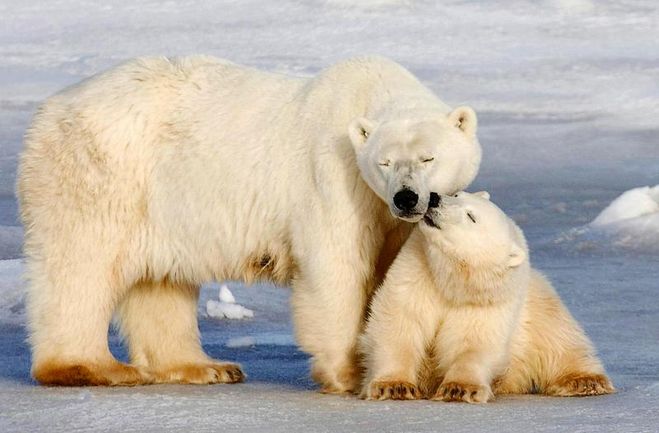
[(470, 229), (404, 160)]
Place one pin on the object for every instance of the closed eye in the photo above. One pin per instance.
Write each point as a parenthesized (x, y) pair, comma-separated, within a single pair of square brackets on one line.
[(427, 159), (471, 217), (385, 163)]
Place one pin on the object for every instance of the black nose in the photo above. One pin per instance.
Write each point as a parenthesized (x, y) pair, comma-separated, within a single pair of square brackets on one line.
[(435, 199), (406, 199)]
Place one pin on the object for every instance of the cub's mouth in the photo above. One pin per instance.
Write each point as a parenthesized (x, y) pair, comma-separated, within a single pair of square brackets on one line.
[(429, 221), (431, 213)]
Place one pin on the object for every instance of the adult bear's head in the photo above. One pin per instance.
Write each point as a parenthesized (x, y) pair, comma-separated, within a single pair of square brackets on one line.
[(403, 160)]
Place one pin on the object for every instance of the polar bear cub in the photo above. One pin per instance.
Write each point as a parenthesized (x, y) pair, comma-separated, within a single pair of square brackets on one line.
[(462, 316)]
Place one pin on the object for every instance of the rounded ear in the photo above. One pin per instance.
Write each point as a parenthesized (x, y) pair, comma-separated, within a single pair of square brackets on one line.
[(359, 130), (482, 194), (516, 257), (464, 118)]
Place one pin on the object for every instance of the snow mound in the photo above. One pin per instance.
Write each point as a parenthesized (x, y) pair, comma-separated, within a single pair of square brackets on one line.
[(631, 221), (226, 307), (633, 204)]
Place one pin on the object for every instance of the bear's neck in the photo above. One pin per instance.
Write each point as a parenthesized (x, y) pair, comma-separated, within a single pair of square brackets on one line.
[(378, 91), (462, 283)]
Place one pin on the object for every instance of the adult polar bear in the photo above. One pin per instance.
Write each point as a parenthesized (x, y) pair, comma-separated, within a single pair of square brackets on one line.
[(145, 181)]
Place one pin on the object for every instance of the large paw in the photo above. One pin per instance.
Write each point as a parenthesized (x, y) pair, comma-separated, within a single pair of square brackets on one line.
[(112, 373), (391, 390), (581, 385), (455, 391), (201, 374)]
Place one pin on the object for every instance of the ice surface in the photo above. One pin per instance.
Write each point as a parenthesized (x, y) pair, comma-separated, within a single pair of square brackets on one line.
[(12, 293), (264, 339), (11, 241), (568, 105)]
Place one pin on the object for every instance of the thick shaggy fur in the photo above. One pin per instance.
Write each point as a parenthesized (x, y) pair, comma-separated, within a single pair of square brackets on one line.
[(145, 181), (462, 316)]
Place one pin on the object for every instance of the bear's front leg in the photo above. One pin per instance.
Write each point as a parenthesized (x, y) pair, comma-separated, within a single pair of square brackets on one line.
[(393, 345), (336, 248), (464, 391), (328, 304), (328, 312), (391, 390), (466, 380)]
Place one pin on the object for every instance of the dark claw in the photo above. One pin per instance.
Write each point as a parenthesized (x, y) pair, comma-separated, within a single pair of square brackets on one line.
[(235, 374)]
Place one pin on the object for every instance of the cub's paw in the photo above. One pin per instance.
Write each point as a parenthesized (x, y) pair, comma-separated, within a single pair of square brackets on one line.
[(455, 391), (202, 374), (581, 385), (391, 390)]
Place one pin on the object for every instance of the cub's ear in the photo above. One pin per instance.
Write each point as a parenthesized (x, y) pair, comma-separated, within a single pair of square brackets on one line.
[(516, 257), (359, 131), (482, 194), (464, 118)]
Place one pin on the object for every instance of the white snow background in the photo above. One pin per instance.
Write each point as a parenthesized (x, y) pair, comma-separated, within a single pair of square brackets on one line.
[(567, 94)]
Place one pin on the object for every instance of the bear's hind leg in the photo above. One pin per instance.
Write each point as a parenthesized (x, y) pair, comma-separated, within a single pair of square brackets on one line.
[(559, 355), (69, 314), (159, 321), (580, 385)]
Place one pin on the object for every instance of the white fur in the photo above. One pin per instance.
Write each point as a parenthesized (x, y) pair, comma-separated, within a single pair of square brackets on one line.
[(461, 301), (144, 181)]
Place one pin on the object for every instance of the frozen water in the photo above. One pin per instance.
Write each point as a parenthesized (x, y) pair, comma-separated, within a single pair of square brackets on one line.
[(12, 293), (568, 102), (263, 339)]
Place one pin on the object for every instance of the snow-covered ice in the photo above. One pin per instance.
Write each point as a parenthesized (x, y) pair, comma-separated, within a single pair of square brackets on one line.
[(225, 295), (264, 339), (226, 307), (630, 222), (568, 101), (631, 209)]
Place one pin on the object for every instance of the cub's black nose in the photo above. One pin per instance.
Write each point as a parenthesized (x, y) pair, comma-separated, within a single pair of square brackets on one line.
[(435, 199), (406, 199)]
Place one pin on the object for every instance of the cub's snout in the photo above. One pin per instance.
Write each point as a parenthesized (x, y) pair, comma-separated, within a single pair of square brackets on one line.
[(435, 200)]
